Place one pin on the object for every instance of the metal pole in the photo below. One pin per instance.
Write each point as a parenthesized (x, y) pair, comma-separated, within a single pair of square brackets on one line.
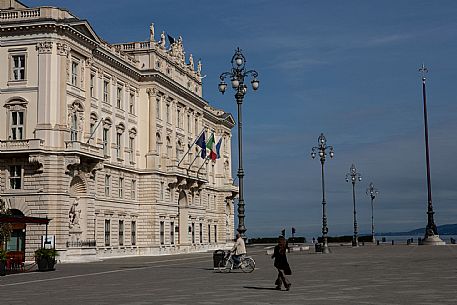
[(431, 227), (355, 242), (372, 220), (324, 214), (241, 227)]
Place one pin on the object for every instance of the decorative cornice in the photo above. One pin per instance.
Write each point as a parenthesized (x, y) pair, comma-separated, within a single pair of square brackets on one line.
[(62, 49), (44, 47)]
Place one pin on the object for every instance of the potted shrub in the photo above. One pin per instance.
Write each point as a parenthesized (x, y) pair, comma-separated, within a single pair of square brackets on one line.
[(2, 262), (46, 259)]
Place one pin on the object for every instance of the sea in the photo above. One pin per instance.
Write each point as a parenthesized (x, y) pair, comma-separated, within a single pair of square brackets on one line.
[(403, 239)]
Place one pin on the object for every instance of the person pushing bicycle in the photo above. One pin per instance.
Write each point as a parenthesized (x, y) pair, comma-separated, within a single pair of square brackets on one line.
[(238, 250)]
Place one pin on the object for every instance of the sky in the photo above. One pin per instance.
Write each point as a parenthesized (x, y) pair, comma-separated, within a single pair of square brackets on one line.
[(348, 69)]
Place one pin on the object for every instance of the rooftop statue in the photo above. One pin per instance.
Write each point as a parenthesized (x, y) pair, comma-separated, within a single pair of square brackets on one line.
[(151, 32), (162, 40)]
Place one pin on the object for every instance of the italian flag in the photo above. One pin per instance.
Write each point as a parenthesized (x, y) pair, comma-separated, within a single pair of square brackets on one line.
[(212, 147)]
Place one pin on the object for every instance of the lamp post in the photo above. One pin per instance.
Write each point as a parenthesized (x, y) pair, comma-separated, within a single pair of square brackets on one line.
[(321, 150), (372, 192), (353, 175), (237, 75), (431, 233)]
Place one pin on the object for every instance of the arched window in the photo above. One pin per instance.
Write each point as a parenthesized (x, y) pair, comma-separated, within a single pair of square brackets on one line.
[(106, 136), (119, 140), (132, 145), (16, 108)]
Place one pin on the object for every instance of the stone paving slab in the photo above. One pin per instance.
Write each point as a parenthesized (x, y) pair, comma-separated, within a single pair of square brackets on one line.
[(374, 275)]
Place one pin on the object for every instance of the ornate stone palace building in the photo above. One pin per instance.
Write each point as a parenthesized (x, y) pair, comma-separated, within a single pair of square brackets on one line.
[(91, 135)]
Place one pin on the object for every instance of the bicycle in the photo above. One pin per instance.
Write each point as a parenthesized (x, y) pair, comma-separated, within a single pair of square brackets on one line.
[(227, 264)]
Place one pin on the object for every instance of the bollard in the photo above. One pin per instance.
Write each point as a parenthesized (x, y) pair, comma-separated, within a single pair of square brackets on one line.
[(392, 242), (377, 242)]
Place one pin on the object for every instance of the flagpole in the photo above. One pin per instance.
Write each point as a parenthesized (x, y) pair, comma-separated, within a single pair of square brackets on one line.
[(93, 131), (195, 141), (198, 155), (206, 161)]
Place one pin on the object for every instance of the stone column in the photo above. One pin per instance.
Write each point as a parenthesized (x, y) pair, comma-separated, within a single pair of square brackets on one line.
[(63, 52), (44, 126), (151, 155)]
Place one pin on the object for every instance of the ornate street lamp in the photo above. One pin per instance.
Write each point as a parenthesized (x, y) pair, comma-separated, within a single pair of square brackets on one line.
[(431, 233), (353, 175), (372, 192), (237, 76), (321, 150)]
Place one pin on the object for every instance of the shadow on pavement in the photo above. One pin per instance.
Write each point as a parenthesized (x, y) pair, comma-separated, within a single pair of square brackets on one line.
[(259, 288)]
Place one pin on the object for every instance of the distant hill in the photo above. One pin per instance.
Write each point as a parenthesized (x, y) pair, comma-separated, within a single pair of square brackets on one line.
[(449, 229)]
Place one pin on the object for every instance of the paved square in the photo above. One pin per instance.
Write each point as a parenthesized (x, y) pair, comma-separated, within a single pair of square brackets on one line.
[(378, 275)]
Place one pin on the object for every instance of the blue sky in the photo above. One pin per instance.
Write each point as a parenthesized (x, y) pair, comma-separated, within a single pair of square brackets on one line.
[(345, 68)]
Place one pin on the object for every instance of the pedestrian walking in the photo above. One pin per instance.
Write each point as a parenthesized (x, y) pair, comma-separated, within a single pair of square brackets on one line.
[(281, 264)]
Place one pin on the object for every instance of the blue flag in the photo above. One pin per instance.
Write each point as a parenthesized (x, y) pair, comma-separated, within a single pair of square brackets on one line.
[(171, 39), (218, 148), (202, 143)]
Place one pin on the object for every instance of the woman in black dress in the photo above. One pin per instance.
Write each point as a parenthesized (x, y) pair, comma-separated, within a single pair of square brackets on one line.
[(281, 264)]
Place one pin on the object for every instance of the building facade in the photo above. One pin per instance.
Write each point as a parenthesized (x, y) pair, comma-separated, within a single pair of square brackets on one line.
[(94, 136)]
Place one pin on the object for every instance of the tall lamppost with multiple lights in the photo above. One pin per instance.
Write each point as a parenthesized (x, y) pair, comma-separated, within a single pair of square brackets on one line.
[(321, 150), (237, 76), (353, 175), (431, 233), (372, 192)]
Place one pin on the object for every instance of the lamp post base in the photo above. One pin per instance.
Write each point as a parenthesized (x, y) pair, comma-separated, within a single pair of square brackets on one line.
[(433, 240), (325, 249)]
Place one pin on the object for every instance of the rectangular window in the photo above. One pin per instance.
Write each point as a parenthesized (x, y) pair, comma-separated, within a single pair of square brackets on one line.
[(133, 233), (132, 103), (193, 233), (162, 190), (17, 125), (105, 141), (106, 91), (188, 123), (158, 109), (162, 233), (132, 149), (15, 177), (215, 233), (196, 126), (119, 98), (168, 113), (201, 233), (18, 67), (107, 232), (133, 194), (118, 145), (121, 232), (74, 73), (172, 233), (209, 234), (121, 187), (92, 85), (178, 118), (107, 185)]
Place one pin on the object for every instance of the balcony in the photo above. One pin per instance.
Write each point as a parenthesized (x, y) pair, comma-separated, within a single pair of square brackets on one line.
[(84, 149), (21, 146), (34, 13)]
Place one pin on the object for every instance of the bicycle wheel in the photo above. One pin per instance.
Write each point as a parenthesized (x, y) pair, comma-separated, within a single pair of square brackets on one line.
[(248, 265), (225, 265)]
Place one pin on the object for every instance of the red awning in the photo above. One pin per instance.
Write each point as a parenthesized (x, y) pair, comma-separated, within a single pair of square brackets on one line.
[(23, 219)]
